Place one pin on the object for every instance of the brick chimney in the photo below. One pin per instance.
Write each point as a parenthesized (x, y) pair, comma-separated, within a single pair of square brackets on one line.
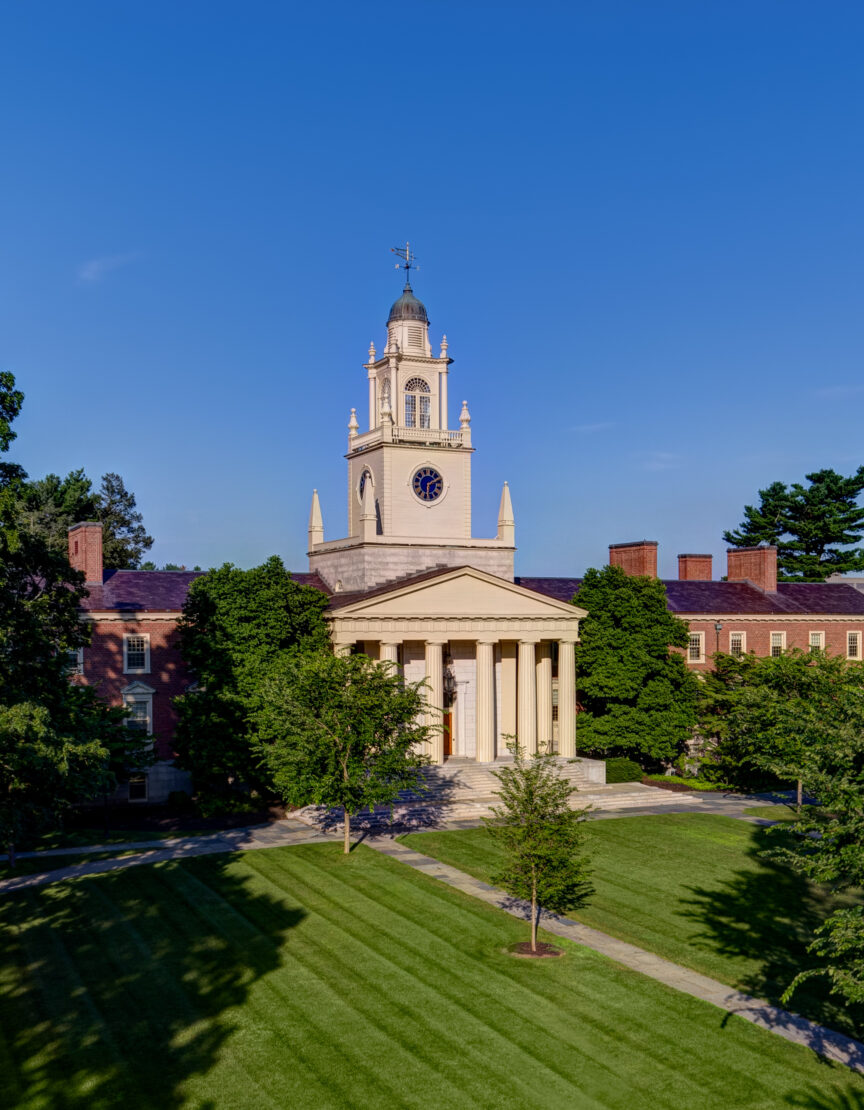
[(694, 568), (758, 564), (636, 559), (85, 550)]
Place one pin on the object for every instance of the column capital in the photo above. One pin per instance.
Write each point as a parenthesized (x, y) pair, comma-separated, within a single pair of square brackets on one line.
[(530, 639)]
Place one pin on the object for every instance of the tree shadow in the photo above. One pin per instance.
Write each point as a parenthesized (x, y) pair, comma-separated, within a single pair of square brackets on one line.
[(115, 990), (812, 1098), (767, 915), (414, 811)]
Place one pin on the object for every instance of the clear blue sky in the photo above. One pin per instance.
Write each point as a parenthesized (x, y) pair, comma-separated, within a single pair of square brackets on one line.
[(639, 224)]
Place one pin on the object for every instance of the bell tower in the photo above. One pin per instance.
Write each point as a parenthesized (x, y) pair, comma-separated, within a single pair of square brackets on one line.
[(409, 473)]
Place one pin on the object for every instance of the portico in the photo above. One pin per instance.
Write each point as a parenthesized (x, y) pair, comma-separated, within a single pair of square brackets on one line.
[(498, 659)]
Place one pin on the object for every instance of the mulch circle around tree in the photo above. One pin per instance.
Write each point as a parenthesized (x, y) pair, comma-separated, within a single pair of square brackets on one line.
[(543, 951)]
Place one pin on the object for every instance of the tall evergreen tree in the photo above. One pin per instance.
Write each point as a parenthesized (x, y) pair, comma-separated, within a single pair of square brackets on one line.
[(813, 526), (635, 694), (125, 538)]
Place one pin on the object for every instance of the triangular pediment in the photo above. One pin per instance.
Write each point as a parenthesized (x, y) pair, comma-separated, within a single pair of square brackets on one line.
[(461, 593)]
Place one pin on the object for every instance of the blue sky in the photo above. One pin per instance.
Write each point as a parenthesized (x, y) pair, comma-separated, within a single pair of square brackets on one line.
[(640, 226)]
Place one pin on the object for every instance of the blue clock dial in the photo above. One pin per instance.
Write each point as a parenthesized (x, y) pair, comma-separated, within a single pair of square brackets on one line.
[(427, 484)]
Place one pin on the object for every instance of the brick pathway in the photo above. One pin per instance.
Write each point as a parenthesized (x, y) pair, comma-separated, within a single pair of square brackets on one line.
[(824, 1041)]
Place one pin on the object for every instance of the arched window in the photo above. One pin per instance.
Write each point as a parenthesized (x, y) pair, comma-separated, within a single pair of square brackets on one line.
[(418, 404)]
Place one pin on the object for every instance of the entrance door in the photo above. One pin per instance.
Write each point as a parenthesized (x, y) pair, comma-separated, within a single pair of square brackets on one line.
[(448, 733)]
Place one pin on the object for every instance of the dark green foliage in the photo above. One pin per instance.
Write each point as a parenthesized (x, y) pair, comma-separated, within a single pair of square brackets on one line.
[(340, 731), (801, 717), (58, 742), (813, 526), (51, 505), (634, 693), (235, 624), (620, 769), (542, 837)]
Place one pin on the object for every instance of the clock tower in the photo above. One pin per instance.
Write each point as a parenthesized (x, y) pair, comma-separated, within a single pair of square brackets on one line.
[(409, 472)]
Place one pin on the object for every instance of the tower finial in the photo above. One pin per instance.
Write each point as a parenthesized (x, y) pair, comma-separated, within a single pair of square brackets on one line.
[(408, 261)]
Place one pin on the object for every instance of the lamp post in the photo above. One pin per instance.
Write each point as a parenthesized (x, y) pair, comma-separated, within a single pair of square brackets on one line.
[(718, 628)]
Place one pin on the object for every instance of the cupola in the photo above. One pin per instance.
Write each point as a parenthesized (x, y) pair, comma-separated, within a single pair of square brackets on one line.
[(408, 324)]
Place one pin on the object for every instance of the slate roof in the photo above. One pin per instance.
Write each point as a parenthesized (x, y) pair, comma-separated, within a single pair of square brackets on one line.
[(733, 597), (155, 590)]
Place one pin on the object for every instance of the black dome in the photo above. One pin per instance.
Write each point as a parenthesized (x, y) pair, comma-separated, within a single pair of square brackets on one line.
[(408, 307)]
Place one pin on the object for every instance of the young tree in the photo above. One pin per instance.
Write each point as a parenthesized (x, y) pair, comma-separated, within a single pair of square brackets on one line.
[(235, 623), (635, 694), (543, 838), (341, 731), (812, 526)]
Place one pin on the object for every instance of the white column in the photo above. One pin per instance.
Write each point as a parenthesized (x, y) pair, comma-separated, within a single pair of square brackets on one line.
[(566, 698), (508, 691), (527, 706), (444, 377), (544, 696), (389, 653), (485, 751), (373, 415), (435, 698), (342, 649)]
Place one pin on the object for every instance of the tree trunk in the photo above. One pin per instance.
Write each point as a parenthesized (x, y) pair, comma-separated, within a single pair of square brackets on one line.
[(533, 917), (10, 847), (347, 824), (799, 798)]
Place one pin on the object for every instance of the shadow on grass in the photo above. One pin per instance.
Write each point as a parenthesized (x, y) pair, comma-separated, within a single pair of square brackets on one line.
[(812, 1098), (768, 914), (114, 990)]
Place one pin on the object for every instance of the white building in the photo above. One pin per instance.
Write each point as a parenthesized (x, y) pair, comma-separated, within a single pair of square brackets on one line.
[(411, 584)]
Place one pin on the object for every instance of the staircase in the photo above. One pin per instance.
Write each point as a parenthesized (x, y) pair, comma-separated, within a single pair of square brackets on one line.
[(463, 780)]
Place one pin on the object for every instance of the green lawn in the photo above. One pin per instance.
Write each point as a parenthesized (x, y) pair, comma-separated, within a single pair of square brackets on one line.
[(297, 977), (694, 888), (34, 865)]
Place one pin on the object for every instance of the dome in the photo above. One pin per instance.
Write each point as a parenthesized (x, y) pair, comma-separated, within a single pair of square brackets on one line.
[(408, 307)]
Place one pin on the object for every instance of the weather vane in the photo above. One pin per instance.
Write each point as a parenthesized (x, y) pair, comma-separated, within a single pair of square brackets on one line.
[(408, 259)]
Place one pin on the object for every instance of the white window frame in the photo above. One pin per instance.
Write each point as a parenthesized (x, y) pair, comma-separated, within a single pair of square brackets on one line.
[(743, 636), (820, 644), (141, 693), (145, 636), (771, 645), (143, 777), (857, 634), (76, 666), (701, 638)]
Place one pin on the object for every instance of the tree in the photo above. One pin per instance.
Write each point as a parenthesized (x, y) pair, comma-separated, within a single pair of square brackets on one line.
[(235, 623), (812, 526), (125, 537), (58, 742), (542, 837), (801, 716), (341, 731), (634, 693)]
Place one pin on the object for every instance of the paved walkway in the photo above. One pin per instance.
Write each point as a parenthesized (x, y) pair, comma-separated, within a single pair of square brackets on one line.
[(824, 1041)]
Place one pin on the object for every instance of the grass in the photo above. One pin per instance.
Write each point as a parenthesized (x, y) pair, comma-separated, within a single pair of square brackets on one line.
[(83, 838), (692, 783), (297, 977), (35, 866), (695, 889), (781, 812)]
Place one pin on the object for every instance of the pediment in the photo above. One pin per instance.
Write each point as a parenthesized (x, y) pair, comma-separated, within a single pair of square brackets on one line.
[(464, 593)]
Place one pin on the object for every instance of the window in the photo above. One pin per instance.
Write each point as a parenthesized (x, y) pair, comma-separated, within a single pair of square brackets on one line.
[(75, 661), (853, 645), (696, 648), (778, 643), (137, 788), (138, 700), (817, 641), (136, 654), (418, 404), (737, 643)]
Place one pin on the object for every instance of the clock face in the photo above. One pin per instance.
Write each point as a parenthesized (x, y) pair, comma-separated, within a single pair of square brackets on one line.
[(427, 483)]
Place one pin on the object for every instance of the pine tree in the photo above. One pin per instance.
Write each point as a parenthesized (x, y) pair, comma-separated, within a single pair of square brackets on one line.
[(813, 527), (125, 537)]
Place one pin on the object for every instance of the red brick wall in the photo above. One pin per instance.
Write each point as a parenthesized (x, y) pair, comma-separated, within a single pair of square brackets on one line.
[(694, 568), (85, 550), (759, 564), (103, 669), (758, 634), (636, 559)]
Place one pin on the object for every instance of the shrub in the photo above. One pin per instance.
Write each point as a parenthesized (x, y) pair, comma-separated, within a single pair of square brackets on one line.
[(681, 780), (623, 770)]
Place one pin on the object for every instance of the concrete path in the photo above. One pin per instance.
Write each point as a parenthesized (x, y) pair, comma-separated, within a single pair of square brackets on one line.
[(824, 1041)]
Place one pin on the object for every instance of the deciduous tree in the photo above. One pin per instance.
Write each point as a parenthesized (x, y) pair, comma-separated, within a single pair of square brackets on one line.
[(634, 693), (812, 526), (542, 836), (341, 731)]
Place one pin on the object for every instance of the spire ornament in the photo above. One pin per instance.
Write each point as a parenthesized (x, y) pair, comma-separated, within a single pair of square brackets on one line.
[(352, 424)]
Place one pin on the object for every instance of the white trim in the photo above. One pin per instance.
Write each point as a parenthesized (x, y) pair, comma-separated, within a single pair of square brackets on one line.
[(138, 693), (700, 636), (772, 645), (743, 635), (849, 634), (820, 642), (145, 636), (78, 666), (140, 777)]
